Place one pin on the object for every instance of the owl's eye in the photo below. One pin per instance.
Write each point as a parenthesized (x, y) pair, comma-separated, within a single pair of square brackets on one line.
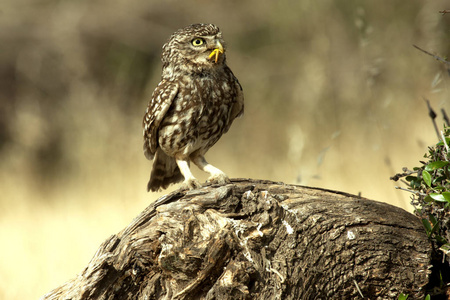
[(197, 42)]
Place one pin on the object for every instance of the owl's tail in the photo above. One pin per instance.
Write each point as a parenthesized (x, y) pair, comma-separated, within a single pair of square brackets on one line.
[(165, 171)]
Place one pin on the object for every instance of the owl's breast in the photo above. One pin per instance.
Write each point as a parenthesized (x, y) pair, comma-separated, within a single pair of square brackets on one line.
[(199, 115)]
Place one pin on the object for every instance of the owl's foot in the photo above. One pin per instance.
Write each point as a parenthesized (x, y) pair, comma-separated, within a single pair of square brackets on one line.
[(216, 175), (219, 178), (191, 184)]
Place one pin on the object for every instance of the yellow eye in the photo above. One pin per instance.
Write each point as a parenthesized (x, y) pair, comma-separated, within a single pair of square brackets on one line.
[(197, 42)]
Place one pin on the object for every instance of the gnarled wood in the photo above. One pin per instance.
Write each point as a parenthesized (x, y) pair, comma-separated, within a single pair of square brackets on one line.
[(255, 239)]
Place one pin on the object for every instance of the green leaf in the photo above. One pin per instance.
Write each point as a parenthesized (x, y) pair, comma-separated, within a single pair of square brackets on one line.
[(410, 178), (414, 181), (441, 240), (428, 297), (446, 196), (427, 226), (435, 223), (435, 165), (426, 177), (440, 178), (445, 248), (437, 197), (428, 199), (441, 143), (402, 296), (433, 219)]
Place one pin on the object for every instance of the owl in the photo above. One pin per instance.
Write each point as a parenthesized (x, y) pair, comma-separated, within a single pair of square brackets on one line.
[(191, 108)]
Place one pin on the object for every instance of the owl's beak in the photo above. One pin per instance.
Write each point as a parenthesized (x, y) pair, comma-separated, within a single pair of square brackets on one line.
[(216, 52)]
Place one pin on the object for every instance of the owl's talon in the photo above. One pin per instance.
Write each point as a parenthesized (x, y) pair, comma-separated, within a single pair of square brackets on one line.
[(220, 178), (191, 184)]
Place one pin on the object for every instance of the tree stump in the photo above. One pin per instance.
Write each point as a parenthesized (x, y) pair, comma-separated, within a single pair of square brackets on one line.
[(254, 239)]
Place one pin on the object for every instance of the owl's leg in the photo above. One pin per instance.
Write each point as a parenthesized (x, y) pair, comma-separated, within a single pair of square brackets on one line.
[(216, 175), (190, 182)]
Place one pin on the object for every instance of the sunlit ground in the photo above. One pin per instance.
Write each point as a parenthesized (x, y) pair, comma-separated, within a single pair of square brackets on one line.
[(334, 99)]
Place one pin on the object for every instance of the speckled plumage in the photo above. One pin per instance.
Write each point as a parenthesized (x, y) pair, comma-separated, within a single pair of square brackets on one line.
[(194, 104)]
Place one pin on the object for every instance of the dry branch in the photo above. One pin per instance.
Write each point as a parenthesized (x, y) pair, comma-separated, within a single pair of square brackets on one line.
[(255, 239), (436, 57)]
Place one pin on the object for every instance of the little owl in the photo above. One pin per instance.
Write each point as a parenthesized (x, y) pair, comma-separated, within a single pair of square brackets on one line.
[(194, 104)]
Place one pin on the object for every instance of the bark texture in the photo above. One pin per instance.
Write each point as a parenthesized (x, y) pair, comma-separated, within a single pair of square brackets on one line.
[(254, 239)]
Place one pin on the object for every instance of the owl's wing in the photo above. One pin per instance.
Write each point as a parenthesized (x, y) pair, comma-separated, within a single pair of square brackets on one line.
[(162, 98), (238, 106)]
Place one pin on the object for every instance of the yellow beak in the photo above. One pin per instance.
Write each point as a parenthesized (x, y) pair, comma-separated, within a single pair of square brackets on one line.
[(216, 52)]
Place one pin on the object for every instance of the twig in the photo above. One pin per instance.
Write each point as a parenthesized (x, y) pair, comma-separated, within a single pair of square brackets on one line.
[(433, 55), (403, 189), (432, 115), (445, 144), (405, 182), (411, 191), (357, 287), (407, 172), (444, 113), (445, 11)]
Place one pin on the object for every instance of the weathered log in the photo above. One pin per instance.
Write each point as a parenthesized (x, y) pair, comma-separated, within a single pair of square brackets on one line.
[(254, 239)]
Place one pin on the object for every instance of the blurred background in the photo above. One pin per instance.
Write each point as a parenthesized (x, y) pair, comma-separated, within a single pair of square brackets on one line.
[(334, 97)]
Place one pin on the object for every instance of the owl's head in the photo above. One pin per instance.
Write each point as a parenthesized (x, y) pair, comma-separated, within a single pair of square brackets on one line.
[(194, 49)]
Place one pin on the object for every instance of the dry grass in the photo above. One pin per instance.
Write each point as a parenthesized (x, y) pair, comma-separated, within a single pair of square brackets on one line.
[(333, 99)]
